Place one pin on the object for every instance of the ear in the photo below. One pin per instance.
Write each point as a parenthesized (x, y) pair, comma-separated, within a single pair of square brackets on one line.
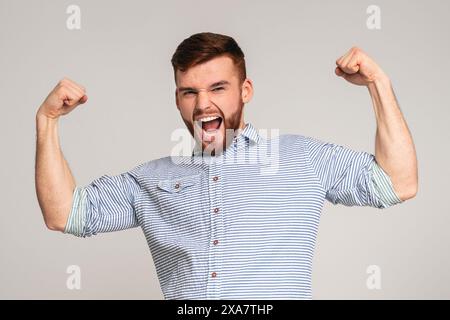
[(176, 100), (247, 90)]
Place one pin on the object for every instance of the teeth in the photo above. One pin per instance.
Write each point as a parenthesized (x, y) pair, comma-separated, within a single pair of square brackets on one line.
[(207, 119)]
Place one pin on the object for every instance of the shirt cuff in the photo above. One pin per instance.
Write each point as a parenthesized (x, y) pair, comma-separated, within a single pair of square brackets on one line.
[(77, 217), (383, 187)]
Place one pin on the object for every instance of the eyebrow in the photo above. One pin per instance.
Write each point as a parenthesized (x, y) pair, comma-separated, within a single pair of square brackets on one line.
[(215, 84)]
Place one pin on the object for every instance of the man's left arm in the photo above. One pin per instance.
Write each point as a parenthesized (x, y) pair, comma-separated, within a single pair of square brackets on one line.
[(394, 147)]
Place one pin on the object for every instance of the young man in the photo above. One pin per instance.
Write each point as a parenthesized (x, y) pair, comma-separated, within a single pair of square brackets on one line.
[(217, 227)]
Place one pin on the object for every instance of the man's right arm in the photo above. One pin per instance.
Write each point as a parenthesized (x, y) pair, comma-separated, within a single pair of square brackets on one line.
[(55, 183)]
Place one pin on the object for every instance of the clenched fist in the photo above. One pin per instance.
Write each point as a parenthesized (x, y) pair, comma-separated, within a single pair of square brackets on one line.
[(65, 97), (358, 68)]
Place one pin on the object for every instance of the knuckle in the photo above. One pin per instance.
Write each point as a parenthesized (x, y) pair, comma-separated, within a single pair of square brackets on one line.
[(61, 89), (65, 81)]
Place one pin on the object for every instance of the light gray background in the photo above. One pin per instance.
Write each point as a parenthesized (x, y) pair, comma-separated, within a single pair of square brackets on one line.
[(122, 55)]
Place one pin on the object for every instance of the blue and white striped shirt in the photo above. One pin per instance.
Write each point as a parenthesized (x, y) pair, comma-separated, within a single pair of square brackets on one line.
[(240, 225)]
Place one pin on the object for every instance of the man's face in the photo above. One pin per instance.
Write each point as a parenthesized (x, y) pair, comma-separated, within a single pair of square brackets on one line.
[(210, 99)]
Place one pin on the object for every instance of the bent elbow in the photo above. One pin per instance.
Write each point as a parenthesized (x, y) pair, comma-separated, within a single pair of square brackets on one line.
[(409, 193), (54, 225)]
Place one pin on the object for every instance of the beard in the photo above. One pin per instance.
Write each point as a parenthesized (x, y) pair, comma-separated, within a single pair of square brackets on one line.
[(225, 134)]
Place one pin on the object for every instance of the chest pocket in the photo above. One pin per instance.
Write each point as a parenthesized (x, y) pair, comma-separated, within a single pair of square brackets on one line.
[(180, 201), (179, 184)]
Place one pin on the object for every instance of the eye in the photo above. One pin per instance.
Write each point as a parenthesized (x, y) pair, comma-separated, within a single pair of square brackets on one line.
[(187, 93), (218, 89)]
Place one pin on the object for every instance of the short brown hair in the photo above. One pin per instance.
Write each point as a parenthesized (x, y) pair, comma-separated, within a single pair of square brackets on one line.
[(204, 46)]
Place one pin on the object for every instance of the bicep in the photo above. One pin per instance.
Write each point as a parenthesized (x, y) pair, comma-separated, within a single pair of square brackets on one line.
[(105, 205), (348, 176)]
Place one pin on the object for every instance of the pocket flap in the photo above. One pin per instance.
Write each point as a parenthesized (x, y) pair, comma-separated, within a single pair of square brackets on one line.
[(177, 184)]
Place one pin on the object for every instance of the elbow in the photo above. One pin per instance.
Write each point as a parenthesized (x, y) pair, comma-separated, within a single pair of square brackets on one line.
[(55, 218), (406, 186), (409, 192), (54, 225)]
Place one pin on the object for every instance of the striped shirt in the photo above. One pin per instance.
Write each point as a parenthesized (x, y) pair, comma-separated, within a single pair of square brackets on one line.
[(239, 225)]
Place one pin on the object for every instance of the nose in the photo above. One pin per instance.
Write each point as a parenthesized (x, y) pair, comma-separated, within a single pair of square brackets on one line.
[(203, 100)]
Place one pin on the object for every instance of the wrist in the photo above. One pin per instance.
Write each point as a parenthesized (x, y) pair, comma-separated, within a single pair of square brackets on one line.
[(42, 117), (45, 123), (380, 82)]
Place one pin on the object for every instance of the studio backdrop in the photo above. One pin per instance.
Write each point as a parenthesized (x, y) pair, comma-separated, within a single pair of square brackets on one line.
[(121, 53)]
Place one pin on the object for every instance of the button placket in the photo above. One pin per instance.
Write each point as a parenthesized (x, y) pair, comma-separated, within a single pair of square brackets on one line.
[(215, 192)]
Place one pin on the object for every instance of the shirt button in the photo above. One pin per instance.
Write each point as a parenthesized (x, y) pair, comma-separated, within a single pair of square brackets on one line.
[(216, 242), (213, 274), (177, 185), (215, 178), (216, 210)]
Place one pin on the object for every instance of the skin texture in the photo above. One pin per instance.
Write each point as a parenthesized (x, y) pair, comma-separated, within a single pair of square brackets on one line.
[(226, 101), (55, 183), (394, 146), (53, 179)]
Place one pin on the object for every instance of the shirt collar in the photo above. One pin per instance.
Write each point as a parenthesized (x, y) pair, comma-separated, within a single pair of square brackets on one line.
[(249, 133)]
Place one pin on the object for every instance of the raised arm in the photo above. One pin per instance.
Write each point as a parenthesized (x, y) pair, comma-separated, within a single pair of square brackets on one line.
[(394, 146), (55, 183)]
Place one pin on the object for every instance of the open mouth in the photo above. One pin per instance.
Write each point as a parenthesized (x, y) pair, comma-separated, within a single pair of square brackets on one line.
[(210, 127), (211, 123)]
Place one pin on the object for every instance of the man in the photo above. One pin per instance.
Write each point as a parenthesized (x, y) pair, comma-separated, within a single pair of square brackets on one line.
[(217, 227)]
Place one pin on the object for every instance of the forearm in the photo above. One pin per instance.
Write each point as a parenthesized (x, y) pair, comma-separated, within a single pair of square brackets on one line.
[(54, 180), (394, 146)]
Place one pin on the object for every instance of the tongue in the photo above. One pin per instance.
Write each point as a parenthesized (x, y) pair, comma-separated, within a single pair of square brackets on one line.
[(211, 125)]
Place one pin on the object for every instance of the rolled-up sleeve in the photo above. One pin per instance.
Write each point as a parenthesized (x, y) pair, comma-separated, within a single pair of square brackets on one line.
[(106, 204), (383, 186), (349, 177)]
